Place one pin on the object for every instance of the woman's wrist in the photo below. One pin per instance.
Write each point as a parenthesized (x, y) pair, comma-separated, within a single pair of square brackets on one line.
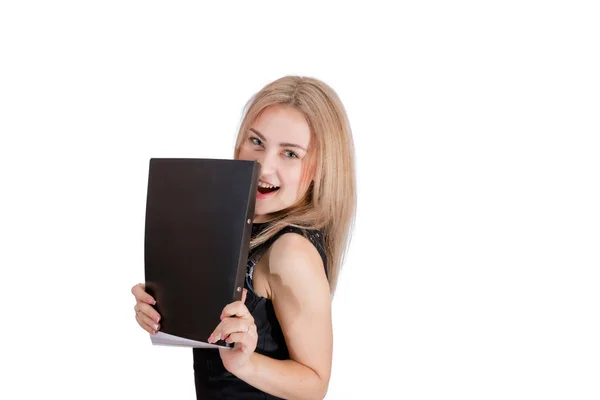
[(246, 371)]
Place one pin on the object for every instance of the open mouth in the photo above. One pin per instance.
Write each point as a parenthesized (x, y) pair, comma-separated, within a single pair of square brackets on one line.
[(264, 188)]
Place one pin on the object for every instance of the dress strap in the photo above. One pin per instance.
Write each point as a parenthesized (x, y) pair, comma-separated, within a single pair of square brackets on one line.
[(315, 237)]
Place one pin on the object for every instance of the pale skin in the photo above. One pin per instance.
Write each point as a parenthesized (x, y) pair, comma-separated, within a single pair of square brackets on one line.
[(291, 274)]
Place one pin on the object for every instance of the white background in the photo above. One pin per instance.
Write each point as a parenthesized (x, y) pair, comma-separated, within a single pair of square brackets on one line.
[(473, 273)]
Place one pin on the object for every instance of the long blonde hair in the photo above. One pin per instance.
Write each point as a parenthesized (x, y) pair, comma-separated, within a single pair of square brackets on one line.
[(330, 200)]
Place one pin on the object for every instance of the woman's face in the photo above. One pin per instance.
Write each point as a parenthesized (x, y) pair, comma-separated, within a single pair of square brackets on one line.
[(278, 139)]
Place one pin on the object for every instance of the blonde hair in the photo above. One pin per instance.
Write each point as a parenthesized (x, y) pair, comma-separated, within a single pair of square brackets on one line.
[(330, 200)]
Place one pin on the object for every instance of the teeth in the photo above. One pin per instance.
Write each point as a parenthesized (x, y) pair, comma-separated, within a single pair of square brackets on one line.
[(264, 185)]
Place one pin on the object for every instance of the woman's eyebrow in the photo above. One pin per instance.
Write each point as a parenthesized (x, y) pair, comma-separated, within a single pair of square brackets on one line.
[(285, 144), (258, 134)]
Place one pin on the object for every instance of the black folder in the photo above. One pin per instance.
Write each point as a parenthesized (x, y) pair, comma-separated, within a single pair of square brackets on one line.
[(197, 234)]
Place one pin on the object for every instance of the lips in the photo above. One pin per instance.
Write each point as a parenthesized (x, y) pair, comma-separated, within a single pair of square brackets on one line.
[(266, 189)]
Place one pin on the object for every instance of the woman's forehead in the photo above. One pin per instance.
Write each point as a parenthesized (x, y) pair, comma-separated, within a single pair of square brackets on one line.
[(282, 124)]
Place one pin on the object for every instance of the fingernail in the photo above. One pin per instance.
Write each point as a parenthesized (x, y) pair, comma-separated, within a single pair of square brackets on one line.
[(151, 300), (158, 319), (155, 326)]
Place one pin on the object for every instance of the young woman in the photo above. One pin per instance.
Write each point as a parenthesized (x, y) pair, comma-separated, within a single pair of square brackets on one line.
[(298, 131)]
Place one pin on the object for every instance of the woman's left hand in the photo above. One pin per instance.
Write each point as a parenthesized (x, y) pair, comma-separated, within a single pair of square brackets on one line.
[(237, 326)]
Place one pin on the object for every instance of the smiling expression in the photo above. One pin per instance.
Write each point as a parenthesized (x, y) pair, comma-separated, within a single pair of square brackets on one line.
[(278, 139)]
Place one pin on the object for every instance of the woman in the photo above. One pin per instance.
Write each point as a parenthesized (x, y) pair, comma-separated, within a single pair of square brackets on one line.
[(297, 129)]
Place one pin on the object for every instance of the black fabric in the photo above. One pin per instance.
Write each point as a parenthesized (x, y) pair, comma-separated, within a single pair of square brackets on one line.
[(212, 380)]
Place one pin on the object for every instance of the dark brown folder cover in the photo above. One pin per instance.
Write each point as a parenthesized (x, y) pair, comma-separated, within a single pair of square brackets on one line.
[(198, 222)]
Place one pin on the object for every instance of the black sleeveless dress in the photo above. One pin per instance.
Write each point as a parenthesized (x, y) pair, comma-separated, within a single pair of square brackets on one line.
[(212, 380)]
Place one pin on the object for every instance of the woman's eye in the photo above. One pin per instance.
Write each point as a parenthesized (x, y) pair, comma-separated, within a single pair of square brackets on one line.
[(290, 154), (256, 141)]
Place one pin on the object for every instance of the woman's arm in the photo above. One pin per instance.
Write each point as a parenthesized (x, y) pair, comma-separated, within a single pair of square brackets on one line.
[(301, 298)]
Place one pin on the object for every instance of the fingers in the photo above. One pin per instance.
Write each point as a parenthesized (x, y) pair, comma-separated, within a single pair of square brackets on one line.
[(147, 323), (145, 315), (233, 325), (242, 340), (139, 291), (235, 318), (148, 311), (237, 308)]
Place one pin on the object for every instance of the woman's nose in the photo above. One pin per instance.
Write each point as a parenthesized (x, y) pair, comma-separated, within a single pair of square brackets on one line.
[(267, 164)]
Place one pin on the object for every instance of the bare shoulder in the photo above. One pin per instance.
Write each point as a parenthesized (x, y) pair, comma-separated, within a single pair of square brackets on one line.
[(293, 249), (295, 263)]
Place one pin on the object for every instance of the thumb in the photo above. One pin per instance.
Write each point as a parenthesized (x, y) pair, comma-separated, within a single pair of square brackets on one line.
[(244, 292)]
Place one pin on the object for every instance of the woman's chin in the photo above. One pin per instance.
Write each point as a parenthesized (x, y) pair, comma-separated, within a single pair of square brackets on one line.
[(263, 212)]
